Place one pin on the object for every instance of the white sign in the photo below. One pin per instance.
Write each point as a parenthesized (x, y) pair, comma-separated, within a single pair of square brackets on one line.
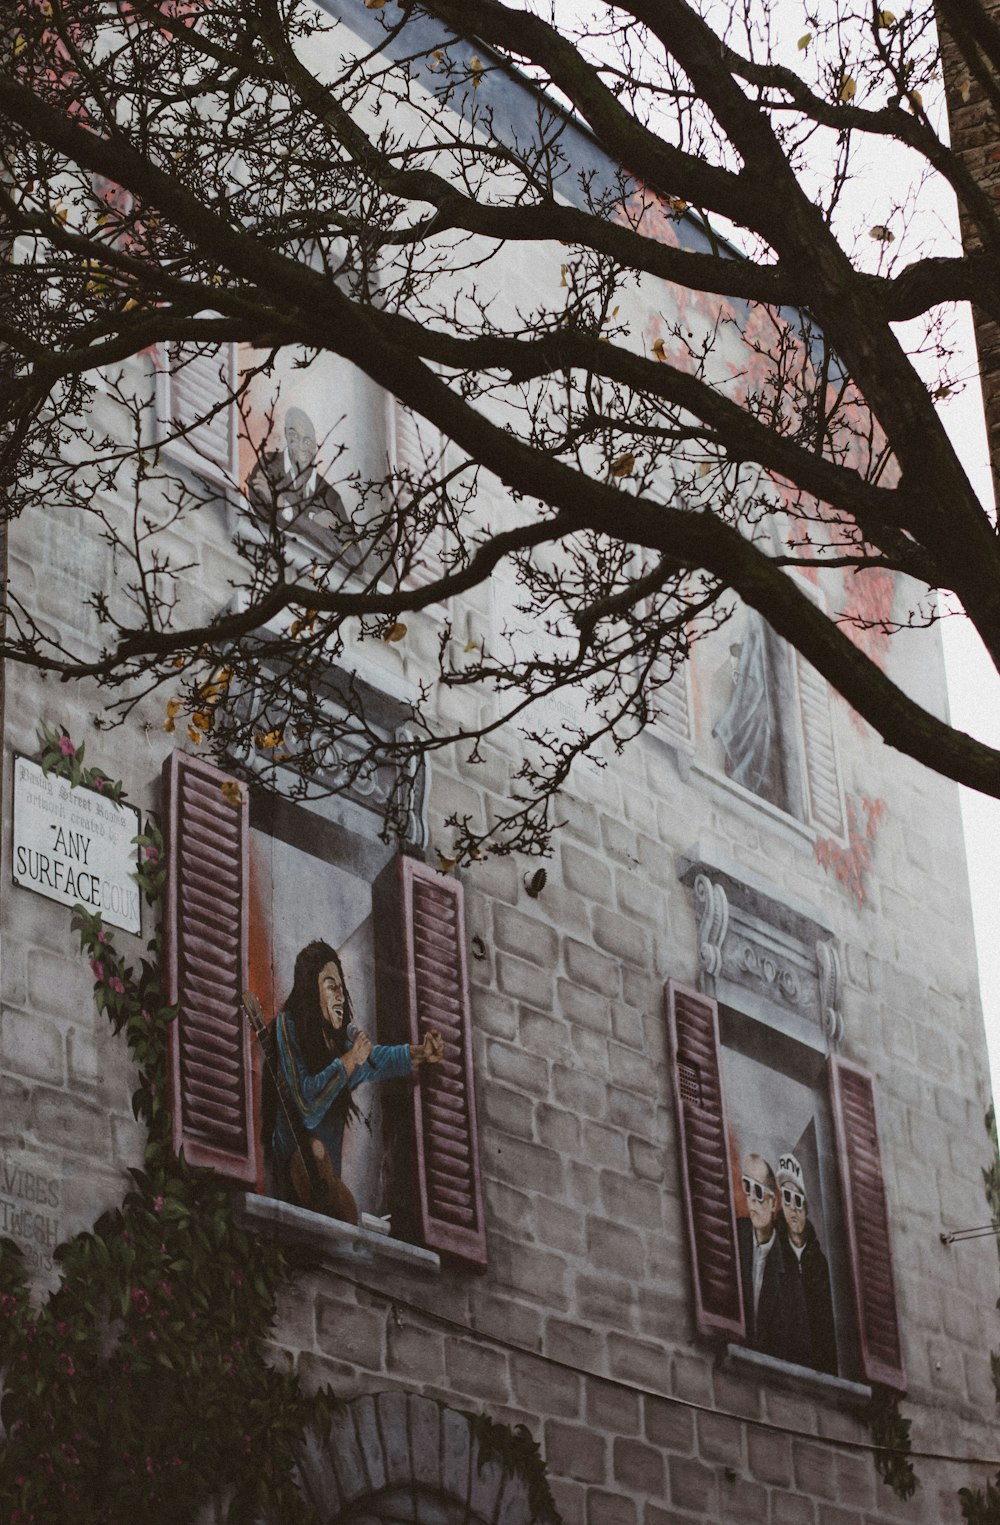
[(75, 846)]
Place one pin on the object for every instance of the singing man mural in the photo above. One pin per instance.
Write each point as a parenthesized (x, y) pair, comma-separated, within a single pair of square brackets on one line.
[(318, 1058)]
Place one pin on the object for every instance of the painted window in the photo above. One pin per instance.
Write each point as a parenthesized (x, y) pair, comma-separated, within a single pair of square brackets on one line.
[(765, 721), (782, 1180), (289, 493), (254, 895)]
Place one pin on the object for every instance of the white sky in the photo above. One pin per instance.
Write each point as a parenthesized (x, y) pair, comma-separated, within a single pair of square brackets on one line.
[(975, 707)]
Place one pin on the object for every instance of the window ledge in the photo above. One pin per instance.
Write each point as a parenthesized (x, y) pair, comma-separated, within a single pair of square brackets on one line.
[(339, 1241), (803, 1379), (753, 806)]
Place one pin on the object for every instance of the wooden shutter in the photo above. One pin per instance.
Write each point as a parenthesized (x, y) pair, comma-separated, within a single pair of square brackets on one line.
[(418, 448), (191, 382), (424, 982), (824, 802), (867, 1219), (206, 954), (672, 703), (703, 1138)]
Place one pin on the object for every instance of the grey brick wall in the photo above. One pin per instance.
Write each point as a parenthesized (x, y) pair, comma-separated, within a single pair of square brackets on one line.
[(582, 1327)]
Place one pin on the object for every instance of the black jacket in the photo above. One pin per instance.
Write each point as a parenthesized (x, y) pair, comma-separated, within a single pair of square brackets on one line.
[(814, 1274), (781, 1327)]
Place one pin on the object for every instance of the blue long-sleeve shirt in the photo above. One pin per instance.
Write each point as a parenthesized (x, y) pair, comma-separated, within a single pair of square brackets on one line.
[(314, 1095)]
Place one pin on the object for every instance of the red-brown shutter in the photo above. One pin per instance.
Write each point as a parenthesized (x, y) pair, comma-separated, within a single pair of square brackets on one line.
[(206, 953), (867, 1219), (421, 925), (703, 1137)]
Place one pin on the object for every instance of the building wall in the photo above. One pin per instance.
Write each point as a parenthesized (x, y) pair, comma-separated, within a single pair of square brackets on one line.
[(582, 1327)]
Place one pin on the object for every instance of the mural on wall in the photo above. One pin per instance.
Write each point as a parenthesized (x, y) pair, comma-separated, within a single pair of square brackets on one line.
[(785, 1275), (313, 954), (780, 1180), (288, 492), (750, 729), (316, 1057)]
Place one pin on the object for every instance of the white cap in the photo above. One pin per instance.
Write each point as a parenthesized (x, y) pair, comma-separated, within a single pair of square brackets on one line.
[(789, 1169)]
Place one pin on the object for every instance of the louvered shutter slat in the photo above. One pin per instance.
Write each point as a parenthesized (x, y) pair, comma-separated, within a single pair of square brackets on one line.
[(867, 1219), (671, 702), (206, 947), (413, 445), (192, 383), (702, 1134), (825, 799), (421, 920)]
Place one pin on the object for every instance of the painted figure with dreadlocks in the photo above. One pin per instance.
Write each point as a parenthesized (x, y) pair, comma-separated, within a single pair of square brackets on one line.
[(322, 1058)]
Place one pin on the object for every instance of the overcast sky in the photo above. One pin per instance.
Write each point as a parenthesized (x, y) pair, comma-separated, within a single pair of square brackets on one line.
[(975, 707)]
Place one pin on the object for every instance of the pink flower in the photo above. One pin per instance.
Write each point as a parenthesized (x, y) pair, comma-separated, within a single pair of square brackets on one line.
[(153, 854), (116, 985), (167, 1288), (66, 747), (66, 1362), (98, 782), (145, 1015), (8, 1305), (141, 1300), (97, 969), (159, 1200)]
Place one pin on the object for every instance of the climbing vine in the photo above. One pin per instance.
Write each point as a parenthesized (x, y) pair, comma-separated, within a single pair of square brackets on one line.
[(850, 864), (517, 1450), (890, 1433), (139, 1389)]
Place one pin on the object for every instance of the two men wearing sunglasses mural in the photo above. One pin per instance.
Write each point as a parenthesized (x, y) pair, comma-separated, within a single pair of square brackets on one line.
[(786, 1280)]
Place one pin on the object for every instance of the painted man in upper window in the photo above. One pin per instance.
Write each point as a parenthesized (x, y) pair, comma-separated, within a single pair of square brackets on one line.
[(811, 1263), (751, 728), (773, 1301), (288, 493)]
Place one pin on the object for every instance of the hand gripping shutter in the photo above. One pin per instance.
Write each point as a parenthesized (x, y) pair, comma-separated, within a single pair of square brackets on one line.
[(206, 949), (702, 1135), (867, 1219), (426, 943)]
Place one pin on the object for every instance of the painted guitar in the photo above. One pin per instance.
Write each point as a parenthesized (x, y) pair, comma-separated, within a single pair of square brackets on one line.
[(315, 1183)]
